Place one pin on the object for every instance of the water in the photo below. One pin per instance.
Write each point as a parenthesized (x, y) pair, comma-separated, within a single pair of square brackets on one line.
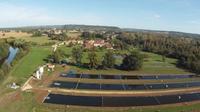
[(12, 54), (120, 101), (62, 84), (98, 86), (127, 77)]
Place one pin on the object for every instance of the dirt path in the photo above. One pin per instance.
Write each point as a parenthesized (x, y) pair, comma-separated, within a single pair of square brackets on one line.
[(120, 93)]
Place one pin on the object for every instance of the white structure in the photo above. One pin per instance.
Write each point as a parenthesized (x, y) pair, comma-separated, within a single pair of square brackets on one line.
[(41, 69), (14, 86), (54, 47), (38, 76), (40, 72)]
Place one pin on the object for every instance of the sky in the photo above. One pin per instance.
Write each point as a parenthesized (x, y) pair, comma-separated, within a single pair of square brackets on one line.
[(169, 15)]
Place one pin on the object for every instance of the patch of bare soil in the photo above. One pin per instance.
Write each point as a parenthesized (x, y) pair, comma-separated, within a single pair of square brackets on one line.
[(9, 98), (40, 95)]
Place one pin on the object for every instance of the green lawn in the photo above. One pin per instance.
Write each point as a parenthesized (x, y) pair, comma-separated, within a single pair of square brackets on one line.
[(38, 40), (28, 64), (153, 64)]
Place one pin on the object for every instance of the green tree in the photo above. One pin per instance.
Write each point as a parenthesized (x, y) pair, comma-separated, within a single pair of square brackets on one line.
[(93, 61), (108, 60), (4, 50), (57, 56), (77, 53), (163, 58), (63, 36), (134, 61), (37, 34)]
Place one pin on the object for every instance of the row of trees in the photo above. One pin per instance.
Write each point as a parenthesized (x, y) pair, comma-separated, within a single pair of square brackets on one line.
[(186, 50), (61, 37), (88, 35), (132, 61), (3, 51)]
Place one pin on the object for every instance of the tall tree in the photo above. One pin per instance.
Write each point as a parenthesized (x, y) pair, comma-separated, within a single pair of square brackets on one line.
[(93, 62), (133, 61), (108, 60), (77, 53), (57, 56)]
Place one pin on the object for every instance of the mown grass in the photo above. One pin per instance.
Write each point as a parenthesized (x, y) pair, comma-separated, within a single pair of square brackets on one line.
[(153, 64), (28, 64)]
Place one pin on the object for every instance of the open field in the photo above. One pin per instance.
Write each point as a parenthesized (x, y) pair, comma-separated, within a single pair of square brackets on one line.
[(14, 34), (153, 64), (74, 35), (27, 37)]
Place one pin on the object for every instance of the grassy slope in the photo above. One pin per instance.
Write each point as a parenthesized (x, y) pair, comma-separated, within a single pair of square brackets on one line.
[(38, 40), (28, 64)]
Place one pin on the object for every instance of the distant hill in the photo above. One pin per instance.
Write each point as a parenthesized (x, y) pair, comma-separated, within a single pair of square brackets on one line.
[(105, 28), (170, 33), (71, 27)]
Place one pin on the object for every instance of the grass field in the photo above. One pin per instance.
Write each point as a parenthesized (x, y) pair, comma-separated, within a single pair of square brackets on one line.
[(27, 37), (39, 40), (28, 64), (153, 64)]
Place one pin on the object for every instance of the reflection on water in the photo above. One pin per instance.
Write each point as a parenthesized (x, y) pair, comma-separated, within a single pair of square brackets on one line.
[(12, 54)]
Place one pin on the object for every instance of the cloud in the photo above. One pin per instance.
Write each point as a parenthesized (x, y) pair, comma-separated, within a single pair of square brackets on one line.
[(14, 15), (157, 16)]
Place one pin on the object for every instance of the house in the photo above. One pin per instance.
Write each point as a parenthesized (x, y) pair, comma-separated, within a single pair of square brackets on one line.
[(89, 44), (97, 43)]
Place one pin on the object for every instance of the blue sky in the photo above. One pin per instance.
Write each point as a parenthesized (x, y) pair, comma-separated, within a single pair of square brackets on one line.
[(173, 15)]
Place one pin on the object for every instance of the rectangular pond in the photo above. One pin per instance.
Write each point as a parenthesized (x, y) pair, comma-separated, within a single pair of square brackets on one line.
[(64, 84), (126, 77), (120, 101), (98, 86)]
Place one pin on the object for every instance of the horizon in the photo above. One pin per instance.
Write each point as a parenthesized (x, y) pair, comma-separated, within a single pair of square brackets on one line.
[(100, 26), (158, 15)]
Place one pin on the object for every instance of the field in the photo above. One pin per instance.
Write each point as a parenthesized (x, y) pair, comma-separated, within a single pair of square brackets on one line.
[(27, 37), (28, 64), (27, 101), (153, 64)]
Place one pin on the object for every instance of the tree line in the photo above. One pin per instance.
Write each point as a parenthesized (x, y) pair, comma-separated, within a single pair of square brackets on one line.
[(132, 61), (186, 50)]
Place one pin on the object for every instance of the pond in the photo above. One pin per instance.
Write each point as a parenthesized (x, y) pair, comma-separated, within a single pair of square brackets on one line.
[(120, 101), (12, 54), (126, 77), (122, 87)]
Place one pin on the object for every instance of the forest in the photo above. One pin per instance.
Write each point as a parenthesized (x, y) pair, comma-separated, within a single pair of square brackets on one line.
[(186, 50)]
